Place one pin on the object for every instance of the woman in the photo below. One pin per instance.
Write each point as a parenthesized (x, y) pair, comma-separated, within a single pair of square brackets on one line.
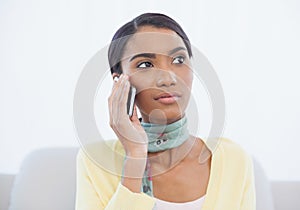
[(163, 166)]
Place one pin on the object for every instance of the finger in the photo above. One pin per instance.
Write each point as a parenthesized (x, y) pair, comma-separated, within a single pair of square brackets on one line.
[(134, 117), (116, 105), (124, 97), (120, 116), (118, 89), (119, 100), (113, 99), (116, 83)]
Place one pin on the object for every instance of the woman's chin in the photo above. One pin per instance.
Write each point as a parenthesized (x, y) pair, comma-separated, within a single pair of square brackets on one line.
[(163, 119)]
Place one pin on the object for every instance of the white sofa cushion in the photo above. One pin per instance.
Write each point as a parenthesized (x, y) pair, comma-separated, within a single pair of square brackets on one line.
[(46, 181), (6, 182)]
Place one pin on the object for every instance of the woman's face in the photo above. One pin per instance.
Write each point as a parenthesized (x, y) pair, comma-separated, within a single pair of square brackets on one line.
[(158, 65)]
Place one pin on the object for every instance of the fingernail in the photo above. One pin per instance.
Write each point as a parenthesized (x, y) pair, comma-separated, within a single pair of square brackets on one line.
[(116, 79)]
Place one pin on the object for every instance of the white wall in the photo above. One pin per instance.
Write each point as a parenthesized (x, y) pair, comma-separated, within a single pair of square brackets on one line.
[(253, 45)]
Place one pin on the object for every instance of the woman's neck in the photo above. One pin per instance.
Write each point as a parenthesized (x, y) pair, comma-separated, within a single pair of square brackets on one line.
[(164, 160)]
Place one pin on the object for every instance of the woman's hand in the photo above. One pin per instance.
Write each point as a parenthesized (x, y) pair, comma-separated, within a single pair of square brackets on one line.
[(129, 130)]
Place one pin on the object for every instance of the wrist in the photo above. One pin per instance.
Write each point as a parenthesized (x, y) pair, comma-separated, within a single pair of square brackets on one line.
[(134, 167), (138, 152)]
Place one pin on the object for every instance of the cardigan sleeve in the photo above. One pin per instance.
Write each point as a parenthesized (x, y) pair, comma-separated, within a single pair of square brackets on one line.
[(87, 197), (124, 199), (249, 195)]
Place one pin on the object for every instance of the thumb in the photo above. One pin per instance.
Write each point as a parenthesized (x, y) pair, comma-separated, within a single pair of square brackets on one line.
[(134, 118)]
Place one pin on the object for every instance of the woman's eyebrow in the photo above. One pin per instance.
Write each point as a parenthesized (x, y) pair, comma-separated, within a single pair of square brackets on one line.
[(152, 55), (147, 55), (176, 49)]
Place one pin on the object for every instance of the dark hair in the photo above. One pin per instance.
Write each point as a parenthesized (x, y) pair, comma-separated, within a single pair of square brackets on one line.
[(122, 35)]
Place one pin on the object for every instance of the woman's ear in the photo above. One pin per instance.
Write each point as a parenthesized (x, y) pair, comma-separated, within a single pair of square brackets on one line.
[(115, 75)]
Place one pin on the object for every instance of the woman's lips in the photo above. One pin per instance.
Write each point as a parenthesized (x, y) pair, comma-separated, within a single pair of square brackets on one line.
[(167, 98)]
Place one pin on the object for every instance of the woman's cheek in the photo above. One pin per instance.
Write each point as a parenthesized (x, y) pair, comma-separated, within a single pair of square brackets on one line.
[(143, 101), (187, 78), (141, 81)]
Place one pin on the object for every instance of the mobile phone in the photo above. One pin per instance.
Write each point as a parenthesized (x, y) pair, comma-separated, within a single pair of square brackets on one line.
[(130, 99)]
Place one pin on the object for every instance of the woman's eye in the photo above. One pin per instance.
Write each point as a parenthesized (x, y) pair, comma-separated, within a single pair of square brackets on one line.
[(178, 59), (145, 65)]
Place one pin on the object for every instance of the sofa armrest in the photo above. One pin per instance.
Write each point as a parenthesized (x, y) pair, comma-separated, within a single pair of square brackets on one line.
[(286, 195), (264, 199), (6, 183)]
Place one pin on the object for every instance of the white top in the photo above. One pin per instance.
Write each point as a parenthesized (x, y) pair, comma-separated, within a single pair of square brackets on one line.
[(191, 205)]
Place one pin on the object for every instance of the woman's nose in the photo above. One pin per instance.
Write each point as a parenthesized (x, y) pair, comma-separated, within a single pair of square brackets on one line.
[(165, 78)]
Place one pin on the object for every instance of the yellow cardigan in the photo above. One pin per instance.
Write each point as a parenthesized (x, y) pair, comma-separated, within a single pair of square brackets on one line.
[(99, 165)]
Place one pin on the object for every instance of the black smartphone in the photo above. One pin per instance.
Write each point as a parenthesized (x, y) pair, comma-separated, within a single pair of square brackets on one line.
[(130, 99)]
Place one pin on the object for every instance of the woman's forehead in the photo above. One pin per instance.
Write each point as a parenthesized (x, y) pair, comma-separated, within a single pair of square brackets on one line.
[(158, 42)]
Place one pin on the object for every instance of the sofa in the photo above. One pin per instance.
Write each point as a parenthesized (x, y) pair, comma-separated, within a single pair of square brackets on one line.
[(47, 181)]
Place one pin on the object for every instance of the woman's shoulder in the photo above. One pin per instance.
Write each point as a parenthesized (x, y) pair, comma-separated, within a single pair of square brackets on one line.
[(232, 147), (110, 145), (229, 151), (234, 153), (106, 154)]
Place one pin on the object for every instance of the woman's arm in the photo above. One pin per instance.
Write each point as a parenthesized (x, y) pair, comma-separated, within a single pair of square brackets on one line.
[(86, 195), (133, 171), (88, 198), (130, 133), (127, 195)]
